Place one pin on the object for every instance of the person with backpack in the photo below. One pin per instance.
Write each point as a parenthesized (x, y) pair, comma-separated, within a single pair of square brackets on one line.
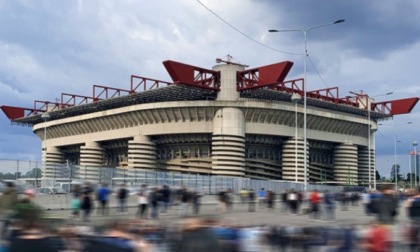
[(122, 196)]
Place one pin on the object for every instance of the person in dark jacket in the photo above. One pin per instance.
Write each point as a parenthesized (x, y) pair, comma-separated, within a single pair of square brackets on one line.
[(387, 206), (86, 201)]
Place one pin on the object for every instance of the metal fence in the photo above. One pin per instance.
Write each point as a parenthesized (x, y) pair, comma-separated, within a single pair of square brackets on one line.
[(28, 173)]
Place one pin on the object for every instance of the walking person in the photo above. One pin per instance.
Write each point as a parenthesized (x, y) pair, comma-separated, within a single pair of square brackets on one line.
[(413, 213), (86, 201), (251, 200), (154, 203), (329, 206), (8, 201), (314, 200), (103, 199), (76, 203), (261, 198), (122, 196), (165, 193), (196, 202), (143, 201)]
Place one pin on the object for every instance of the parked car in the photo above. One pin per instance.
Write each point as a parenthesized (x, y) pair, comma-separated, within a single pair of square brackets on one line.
[(49, 191)]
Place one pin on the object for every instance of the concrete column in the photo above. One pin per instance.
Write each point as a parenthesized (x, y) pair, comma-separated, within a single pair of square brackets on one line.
[(141, 153), (228, 79), (293, 160), (363, 164), (91, 159), (345, 164), (53, 161), (228, 142)]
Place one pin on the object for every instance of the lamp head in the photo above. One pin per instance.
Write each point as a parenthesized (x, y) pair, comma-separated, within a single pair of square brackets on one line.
[(272, 30), (339, 21)]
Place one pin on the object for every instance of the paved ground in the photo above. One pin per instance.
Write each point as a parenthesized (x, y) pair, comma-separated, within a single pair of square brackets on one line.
[(354, 215)]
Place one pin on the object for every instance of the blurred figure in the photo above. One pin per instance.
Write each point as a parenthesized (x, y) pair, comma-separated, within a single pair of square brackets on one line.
[(196, 202), (284, 201), (165, 193), (103, 199), (269, 198), (366, 199), (314, 200), (251, 200), (86, 201), (154, 203), (261, 198), (413, 212), (243, 193), (122, 196), (75, 205), (222, 201), (378, 239), (387, 206), (329, 206), (143, 201), (292, 200), (8, 201), (185, 201)]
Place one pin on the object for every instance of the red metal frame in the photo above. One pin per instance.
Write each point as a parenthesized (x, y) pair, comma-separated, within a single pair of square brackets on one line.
[(263, 76), (396, 107), (193, 76), (109, 92), (146, 83), (69, 100), (266, 77), (17, 112)]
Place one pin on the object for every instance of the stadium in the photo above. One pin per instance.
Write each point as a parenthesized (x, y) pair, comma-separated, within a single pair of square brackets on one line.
[(227, 121)]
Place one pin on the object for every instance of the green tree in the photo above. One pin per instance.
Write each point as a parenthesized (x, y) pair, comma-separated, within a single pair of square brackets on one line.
[(34, 173), (378, 176)]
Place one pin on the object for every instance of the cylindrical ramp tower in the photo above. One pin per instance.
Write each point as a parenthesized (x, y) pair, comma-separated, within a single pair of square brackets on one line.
[(293, 160), (141, 153), (91, 159), (345, 164), (228, 142)]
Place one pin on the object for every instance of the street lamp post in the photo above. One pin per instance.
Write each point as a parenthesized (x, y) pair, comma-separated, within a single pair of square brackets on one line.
[(415, 163), (296, 98), (305, 32), (395, 163), (45, 117)]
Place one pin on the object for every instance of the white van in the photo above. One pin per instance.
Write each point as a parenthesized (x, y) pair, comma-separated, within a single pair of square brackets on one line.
[(68, 186)]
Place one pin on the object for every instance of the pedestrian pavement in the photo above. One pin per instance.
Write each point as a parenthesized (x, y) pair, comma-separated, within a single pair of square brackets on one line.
[(239, 215)]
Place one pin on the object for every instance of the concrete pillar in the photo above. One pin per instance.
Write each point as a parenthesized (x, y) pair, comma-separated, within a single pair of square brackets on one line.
[(228, 75), (53, 162), (141, 153), (228, 142), (345, 164), (363, 165), (91, 159), (293, 160)]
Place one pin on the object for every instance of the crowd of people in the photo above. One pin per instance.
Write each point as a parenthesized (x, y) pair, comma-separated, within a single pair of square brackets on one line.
[(25, 226)]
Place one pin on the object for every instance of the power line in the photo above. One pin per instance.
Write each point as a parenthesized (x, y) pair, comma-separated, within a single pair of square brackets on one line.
[(243, 34), (256, 41)]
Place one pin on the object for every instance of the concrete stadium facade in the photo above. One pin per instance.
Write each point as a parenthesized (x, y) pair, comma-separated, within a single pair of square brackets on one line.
[(256, 133)]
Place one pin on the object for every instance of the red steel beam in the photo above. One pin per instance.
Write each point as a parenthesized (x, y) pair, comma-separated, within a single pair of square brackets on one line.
[(69, 100), (263, 76), (148, 84), (291, 86), (193, 76), (396, 107), (104, 92), (327, 94), (17, 112)]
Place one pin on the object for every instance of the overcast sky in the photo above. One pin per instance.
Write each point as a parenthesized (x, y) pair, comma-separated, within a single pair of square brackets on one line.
[(53, 47)]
